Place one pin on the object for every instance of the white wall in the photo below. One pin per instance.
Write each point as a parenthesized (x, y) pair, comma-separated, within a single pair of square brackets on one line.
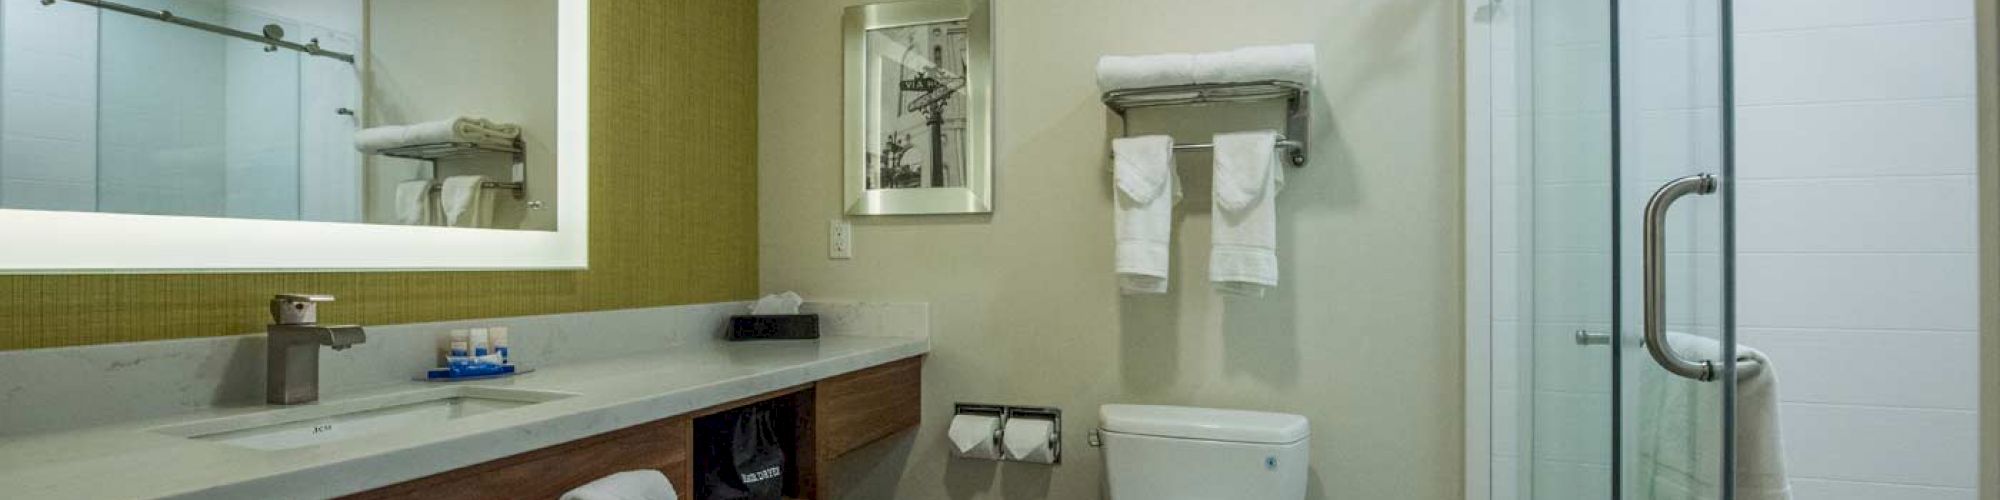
[(498, 62), (1857, 238), (1361, 336)]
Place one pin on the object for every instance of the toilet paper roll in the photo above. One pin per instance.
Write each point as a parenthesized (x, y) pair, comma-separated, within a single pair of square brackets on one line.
[(1027, 440), (972, 436)]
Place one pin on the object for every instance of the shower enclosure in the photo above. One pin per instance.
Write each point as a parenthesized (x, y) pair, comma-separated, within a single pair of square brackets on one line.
[(113, 107), (1611, 200), (1671, 203)]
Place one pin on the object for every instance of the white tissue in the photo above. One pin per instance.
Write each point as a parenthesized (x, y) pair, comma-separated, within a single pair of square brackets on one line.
[(972, 436), (782, 303), (1027, 440)]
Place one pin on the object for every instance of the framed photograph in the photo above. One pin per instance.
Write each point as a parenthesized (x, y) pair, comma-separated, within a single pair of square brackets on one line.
[(919, 108)]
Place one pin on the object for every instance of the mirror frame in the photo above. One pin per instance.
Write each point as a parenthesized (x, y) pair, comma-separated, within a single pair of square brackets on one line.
[(47, 242), (976, 196)]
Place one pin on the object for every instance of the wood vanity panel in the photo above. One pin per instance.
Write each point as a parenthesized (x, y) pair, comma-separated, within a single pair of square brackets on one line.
[(830, 418), (858, 408), (663, 445)]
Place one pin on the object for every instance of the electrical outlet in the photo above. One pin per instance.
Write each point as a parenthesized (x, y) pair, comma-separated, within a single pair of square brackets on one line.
[(839, 240)]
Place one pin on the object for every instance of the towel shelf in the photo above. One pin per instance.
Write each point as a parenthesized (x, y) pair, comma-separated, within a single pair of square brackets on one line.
[(433, 153), (451, 150), (516, 186), (1297, 97)]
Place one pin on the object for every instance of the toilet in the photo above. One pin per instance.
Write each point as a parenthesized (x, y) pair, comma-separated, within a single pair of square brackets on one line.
[(1177, 452)]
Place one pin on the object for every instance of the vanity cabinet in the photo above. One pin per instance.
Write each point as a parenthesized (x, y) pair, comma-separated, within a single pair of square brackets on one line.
[(828, 418)]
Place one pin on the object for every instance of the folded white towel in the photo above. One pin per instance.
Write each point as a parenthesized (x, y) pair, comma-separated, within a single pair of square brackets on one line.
[(462, 201), (413, 202), (1293, 63), (1677, 452), (1244, 222), (644, 484), (461, 129), (1127, 72), (1143, 173)]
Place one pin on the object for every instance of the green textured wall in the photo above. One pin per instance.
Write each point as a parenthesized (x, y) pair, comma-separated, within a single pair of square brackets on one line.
[(673, 209)]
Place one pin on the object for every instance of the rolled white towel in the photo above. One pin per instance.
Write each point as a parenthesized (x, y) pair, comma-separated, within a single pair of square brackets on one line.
[(374, 140), (643, 484), (1293, 63), (1127, 72)]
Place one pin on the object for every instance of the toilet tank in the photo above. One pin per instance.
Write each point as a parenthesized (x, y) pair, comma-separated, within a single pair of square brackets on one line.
[(1177, 452)]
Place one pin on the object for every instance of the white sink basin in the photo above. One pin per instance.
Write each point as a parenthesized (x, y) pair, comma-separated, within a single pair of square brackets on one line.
[(328, 422)]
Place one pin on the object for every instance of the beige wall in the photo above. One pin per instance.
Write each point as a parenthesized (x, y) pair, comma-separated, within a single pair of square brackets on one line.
[(438, 59), (1363, 337)]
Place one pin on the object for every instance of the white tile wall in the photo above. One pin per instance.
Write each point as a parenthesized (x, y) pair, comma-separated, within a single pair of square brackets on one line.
[(48, 131), (121, 114), (1856, 233)]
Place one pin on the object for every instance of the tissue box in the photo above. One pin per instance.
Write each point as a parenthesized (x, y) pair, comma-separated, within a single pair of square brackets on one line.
[(774, 327)]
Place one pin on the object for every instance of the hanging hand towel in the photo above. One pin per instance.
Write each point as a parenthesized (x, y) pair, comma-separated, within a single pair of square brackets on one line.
[(1143, 172), (413, 203), (1677, 457), (1244, 222), (461, 201)]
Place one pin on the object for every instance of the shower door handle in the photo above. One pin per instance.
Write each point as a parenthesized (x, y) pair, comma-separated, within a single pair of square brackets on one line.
[(1654, 281)]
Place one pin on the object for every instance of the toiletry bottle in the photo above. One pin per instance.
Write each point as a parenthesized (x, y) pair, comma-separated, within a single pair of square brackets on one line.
[(461, 350), (498, 335), (481, 345)]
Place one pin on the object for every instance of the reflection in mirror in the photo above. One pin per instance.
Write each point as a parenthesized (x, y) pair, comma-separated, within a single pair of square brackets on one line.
[(413, 112)]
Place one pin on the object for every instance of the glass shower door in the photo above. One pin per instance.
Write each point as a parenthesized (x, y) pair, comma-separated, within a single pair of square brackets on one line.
[(1675, 265), (1612, 250)]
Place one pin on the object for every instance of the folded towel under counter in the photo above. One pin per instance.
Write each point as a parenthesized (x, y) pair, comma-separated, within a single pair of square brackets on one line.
[(643, 484), (1292, 63), (465, 129)]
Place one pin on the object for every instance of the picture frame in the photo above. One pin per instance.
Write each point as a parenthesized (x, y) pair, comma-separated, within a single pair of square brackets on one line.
[(918, 108)]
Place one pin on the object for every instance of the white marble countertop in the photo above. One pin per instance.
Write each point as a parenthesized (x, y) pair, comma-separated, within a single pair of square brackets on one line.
[(131, 460)]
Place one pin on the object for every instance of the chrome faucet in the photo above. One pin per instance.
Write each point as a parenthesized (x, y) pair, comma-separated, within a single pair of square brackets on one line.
[(291, 347)]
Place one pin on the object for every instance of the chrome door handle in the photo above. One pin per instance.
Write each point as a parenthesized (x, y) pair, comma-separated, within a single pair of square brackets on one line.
[(1654, 281)]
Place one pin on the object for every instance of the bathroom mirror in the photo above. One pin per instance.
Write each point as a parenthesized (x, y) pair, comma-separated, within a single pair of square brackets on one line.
[(293, 134)]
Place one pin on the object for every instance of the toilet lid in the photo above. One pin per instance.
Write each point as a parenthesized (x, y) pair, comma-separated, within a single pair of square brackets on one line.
[(1204, 423)]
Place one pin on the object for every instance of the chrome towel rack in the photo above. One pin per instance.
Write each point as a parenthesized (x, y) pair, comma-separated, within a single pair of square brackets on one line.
[(432, 153), (1297, 97)]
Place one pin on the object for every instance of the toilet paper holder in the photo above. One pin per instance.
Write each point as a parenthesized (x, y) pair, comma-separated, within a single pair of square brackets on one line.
[(1007, 412)]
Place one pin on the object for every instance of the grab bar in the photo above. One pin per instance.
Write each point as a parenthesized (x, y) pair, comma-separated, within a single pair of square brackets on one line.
[(1654, 281)]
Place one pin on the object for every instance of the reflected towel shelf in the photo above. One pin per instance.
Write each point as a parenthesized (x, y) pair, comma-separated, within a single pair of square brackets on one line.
[(451, 151), (460, 150), (1297, 97)]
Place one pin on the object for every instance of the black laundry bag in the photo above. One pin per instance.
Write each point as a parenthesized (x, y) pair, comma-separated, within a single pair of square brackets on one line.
[(748, 463)]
